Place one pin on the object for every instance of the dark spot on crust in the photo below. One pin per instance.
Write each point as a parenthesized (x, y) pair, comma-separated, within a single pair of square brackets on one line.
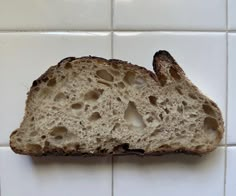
[(66, 60), (35, 83)]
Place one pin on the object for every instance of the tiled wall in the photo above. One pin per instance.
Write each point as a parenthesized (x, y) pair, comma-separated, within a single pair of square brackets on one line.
[(201, 35)]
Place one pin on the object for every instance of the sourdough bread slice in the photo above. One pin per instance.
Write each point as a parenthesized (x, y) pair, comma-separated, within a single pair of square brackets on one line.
[(91, 105)]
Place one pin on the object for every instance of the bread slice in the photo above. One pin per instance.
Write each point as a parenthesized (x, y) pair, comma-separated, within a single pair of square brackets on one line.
[(94, 106)]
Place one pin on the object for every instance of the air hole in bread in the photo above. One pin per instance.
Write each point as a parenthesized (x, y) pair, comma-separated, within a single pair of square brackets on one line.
[(153, 100), (68, 66), (184, 103), (104, 83), (179, 90), (183, 132), (60, 97), (192, 115), (155, 132), (19, 139), (32, 119), (93, 95), (129, 77), (118, 99), (121, 148), (52, 82), (95, 116), (210, 124), (199, 147), (33, 133), (180, 109), (161, 116), (77, 106), (34, 148), (43, 137), (166, 110), (121, 85), (98, 140), (150, 119), (58, 137), (208, 109), (165, 146), (174, 73), (59, 131), (133, 117), (191, 95), (86, 107), (105, 75), (210, 127)]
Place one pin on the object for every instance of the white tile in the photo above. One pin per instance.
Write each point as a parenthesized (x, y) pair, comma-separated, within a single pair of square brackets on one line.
[(26, 176), (231, 134), (25, 56), (232, 14), (231, 171), (55, 14), (201, 55), (169, 14), (170, 175)]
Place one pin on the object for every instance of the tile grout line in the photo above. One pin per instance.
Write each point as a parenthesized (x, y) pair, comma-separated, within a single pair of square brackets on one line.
[(226, 118), (112, 56), (117, 30)]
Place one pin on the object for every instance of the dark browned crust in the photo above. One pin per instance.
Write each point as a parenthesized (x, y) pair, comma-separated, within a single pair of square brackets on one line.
[(159, 56)]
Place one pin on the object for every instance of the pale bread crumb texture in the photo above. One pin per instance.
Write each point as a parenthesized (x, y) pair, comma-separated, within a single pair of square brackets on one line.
[(91, 105)]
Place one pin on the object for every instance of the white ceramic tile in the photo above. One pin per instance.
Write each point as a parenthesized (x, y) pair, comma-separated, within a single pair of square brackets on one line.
[(170, 175), (26, 176), (55, 14), (25, 56), (201, 55), (231, 171), (232, 14), (231, 134), (169, 14)]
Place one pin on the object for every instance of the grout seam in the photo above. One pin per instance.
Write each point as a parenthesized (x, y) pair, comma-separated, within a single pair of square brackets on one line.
[(116, 30), (112, 56), (226, 108)]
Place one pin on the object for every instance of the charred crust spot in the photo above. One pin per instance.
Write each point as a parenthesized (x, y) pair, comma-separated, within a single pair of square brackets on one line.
[(66, 60), (163, 55), (35, 83)]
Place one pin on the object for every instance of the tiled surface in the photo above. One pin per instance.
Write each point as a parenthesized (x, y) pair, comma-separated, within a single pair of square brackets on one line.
[(231, 172), (23, 175), (164, 175), (169, 14), (36, 34), (232, 90), (55, 14), (25, 56), (232, 14)]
